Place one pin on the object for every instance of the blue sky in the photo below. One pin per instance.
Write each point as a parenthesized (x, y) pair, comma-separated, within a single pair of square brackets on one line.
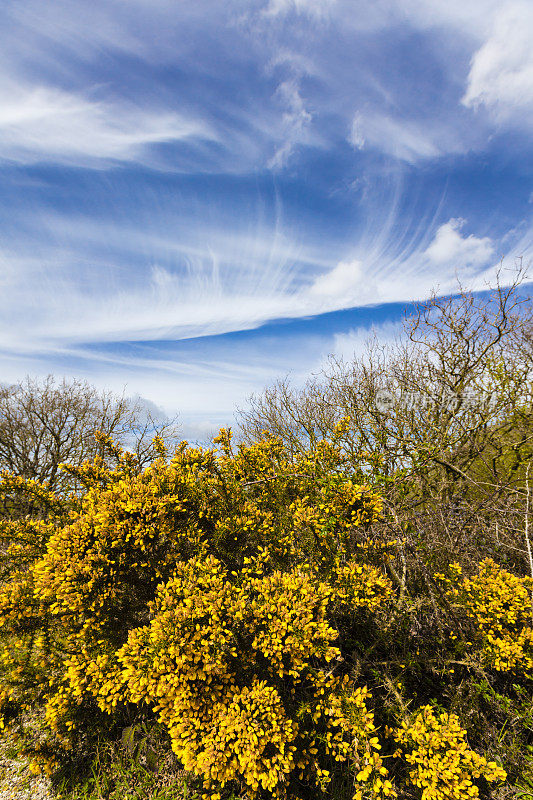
[(197, 198)]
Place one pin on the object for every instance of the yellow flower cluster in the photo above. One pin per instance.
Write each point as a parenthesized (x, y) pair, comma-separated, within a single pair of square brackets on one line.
[(339, 507), (499, 604), (202, 587), (444, 767), (358, 585), (223, 659), (350, 722), (32, 513)]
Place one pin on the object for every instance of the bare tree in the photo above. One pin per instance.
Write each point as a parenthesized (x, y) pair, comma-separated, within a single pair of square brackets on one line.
[(44, 423), (442, 417)]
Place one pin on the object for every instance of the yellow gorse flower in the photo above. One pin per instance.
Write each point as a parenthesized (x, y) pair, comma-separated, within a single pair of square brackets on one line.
[(201, 586), (499, 605), (441, 763)]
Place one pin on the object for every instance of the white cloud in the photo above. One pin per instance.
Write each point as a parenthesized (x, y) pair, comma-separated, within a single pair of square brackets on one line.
[(112, 281), (40, 123), (449, 247), (383, 275), (252, 135), (473, 18), (407, 140), (169, 309), (355, 342), (218, 294), (345, 283), (294, 123), (314, 8), (501, 73)]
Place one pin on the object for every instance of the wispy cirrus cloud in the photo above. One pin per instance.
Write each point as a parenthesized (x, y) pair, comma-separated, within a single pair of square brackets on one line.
[(408, 275), (315, 8), (352, 95), (180, 179), (408, 140), (295, 122), (230, 283), (41, 123)]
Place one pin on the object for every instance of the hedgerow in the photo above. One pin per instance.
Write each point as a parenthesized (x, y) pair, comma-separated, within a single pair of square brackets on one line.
[(242, 599)]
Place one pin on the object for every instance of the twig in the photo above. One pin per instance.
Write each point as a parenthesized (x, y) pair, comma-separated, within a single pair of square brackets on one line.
[(528, 543), (277, 475)]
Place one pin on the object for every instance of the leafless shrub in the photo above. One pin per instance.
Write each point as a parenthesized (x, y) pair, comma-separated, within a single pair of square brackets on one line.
[(442, 418), (44, 423)]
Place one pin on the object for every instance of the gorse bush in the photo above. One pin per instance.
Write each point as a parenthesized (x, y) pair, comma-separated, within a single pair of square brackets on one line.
[(499, 604), (443, 765), (225, 557), (209, 631), (242, 600)]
